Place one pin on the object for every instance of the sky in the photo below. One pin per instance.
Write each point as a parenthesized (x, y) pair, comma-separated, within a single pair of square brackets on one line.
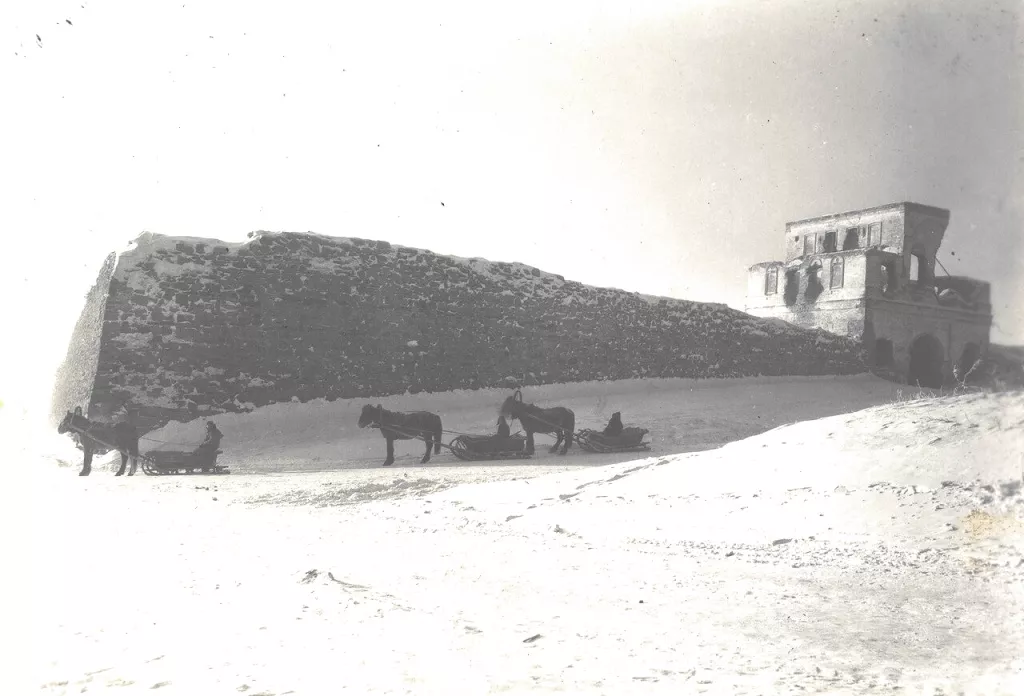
[(651, 146)]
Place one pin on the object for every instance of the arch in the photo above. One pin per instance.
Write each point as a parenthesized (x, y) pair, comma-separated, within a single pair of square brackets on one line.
[(836, 273), (970, 355), (792, 286), (927, 358), (771, 281), (814, 287)]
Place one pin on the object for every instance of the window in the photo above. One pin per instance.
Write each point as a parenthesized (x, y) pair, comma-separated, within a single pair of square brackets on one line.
[(771, 281), (829, 243), (814, 286), (852, 239), (792, 287), (883, 353), (915, 268), (874, 234), (836, 280), (808, 244), (888, 278)]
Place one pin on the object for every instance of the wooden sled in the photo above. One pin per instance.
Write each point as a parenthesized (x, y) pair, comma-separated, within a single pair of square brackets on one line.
[(169, 462), (630, 440), (489, 447)]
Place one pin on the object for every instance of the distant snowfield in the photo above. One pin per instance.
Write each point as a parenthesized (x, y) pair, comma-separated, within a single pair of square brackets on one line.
[(867, 550)]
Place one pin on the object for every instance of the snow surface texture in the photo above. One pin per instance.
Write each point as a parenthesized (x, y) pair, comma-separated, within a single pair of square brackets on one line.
[(870, 551), (300, 315)]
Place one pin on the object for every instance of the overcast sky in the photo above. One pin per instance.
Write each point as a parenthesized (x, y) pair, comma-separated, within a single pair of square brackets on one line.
[(651, 146)]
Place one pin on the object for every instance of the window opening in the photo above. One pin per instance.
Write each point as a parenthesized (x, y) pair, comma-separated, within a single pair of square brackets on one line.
[(836, 280)]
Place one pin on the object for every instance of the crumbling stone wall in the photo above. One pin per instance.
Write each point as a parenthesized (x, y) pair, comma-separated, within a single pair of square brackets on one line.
[(195, 327), (73, 384)]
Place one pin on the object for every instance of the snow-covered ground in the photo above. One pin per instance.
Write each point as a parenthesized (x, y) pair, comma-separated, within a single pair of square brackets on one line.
[(867, 550)]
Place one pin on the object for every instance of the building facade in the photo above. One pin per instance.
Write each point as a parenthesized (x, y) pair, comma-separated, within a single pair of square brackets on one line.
[(871, 274)]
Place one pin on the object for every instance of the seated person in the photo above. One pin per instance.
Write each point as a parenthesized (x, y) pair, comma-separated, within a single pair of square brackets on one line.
[(212, 442), (614, 426), (503, 429)]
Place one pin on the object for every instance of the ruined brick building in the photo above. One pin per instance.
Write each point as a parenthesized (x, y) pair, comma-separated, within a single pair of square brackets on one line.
[(870, 274)]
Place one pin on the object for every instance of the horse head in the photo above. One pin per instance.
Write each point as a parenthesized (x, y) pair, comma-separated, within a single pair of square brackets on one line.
[(69, 419), (370, 415)]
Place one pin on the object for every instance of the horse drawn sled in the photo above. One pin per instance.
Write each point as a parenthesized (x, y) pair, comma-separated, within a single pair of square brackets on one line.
[(483, 447), (614, 438), (168, 462), (629, 440)]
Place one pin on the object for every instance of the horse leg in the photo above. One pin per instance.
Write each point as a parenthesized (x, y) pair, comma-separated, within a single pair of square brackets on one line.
[(124, 462), (426, 457), (558, 441), (529, 441), (569, 431), (135, 463), (391, 452), (86, 462)]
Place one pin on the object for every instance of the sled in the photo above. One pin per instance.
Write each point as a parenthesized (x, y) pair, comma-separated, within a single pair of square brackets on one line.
[(630, 440), (482, 447), (169, 462)]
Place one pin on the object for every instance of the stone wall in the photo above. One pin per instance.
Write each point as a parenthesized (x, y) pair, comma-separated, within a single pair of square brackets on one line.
[(73, 384), (196, 327)]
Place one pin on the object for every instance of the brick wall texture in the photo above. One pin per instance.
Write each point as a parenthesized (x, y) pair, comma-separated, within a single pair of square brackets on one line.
[(191, 328)]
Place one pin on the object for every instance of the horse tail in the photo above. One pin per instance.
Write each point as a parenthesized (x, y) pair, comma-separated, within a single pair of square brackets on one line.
[(437, 434)]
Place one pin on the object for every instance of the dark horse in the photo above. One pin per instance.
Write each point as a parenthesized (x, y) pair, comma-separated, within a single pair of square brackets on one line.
[(558, 420), (403, 426), (100, 438)]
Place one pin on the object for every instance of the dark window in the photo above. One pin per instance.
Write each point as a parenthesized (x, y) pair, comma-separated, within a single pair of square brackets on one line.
[(792, 287), (808, 244), (814, 286), (852, 239), (836, 280), (883, 353), (829, 243), (771, 281)]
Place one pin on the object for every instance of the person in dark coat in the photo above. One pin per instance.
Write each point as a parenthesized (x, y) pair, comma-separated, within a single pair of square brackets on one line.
[(212, 442), (614, 426), (503, 429)]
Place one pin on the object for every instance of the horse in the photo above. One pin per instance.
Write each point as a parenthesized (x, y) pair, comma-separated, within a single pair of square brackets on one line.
[(557, 420), (100, 438), (395, 425)]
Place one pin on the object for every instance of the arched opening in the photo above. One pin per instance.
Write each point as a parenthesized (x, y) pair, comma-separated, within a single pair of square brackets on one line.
[(926, 360), (814, 286), (771, 281), (970, 355), (792, 287), (836, 273)]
